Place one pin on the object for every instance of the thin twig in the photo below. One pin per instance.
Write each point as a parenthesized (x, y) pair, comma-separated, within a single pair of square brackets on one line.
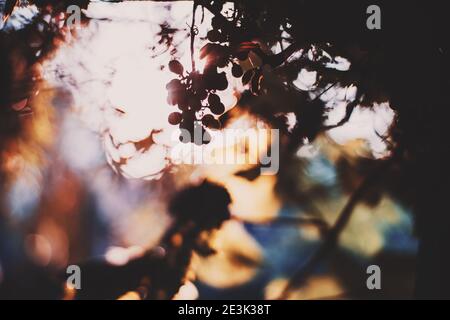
[(324, 91), (348, 113)]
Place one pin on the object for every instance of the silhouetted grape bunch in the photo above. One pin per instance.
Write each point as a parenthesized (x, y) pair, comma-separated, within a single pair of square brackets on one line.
[(195, 93), (198, 104)]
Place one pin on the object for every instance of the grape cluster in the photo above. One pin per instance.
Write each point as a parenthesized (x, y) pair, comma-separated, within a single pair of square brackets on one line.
[(195, 93), (222, 52)]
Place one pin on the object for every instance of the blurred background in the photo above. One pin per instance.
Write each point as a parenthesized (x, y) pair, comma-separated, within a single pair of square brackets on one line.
[(90, 175)]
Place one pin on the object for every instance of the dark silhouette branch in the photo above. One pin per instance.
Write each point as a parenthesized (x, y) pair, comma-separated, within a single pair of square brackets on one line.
[(348, 113)]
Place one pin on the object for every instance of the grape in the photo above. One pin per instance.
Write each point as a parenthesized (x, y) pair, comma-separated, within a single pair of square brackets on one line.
[(217, 108), (185, 137), (176, 67), (220, 81), (175, 118), (202, 94), (236, 71), (194, 102), (215, 23), (213, 99), (206, 137), (188, 116), (210, 122), (206, 120), (213, 35)]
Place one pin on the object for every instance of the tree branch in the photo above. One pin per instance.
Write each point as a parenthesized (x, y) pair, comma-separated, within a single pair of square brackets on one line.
[(348, 113), (332, 237)]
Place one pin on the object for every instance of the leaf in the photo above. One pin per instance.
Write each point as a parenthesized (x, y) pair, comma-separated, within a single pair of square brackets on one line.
[(242, 55), (176, 67), (205, 50), (247, 76)]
